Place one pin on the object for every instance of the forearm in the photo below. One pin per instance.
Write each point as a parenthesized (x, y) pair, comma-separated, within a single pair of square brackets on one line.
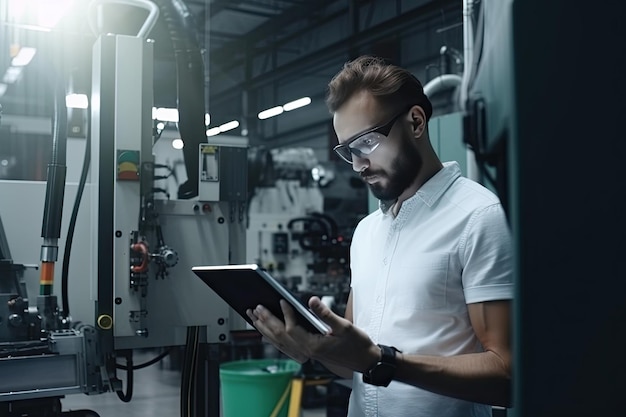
[(479, 377)]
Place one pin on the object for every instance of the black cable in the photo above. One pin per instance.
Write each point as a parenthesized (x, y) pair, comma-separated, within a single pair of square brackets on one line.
[(159, 233), (57, 169), (190, 73), (126, 397), (188, 385), (80, 413), (334, 229), (145, 364), (184, 379), (72, 223), (311, 239), (193, 375), (308, 221)]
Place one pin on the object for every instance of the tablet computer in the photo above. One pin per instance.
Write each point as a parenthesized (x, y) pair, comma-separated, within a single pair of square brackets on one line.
[(246, 286)]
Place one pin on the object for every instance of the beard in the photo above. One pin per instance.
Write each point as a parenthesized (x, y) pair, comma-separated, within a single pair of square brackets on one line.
[(404, 169)]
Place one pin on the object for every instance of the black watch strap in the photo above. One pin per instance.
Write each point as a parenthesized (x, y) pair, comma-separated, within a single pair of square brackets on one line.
[(383, 371), (389, 354)]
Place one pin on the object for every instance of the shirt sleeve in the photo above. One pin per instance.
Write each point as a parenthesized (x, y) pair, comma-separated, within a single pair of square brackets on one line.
[(486, 252)]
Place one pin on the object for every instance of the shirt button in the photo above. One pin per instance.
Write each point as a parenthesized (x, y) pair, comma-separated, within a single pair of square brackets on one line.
[(385, 261)]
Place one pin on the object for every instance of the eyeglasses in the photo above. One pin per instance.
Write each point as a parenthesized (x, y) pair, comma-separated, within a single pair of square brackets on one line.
[(366, 142)]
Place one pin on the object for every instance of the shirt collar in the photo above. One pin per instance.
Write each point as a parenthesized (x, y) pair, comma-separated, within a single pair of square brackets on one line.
[(385, 205), (432, 189)]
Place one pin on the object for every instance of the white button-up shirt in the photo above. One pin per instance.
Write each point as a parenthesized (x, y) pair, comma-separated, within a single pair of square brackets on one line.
[(413, 276)]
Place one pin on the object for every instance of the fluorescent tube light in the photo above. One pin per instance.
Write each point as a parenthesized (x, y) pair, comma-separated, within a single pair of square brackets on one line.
[(296, 104), (23, 57), (222, 128), (274, 111), (76, 101), (165, 114), (229, 126), (213, 131)]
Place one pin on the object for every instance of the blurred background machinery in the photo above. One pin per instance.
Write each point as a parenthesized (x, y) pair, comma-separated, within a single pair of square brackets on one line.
[(107, 270), (296, 229), (132, 243)]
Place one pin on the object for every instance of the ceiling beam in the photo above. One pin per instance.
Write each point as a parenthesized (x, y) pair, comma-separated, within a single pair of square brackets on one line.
[(271, 26), (321, 57)]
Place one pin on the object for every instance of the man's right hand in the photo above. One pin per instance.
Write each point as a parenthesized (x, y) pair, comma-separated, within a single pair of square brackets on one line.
[(273, 329)]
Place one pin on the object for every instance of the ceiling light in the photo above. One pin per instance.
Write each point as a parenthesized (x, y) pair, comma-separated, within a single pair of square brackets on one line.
[(76, 101), (301, 102), (274, 111), (178, 144), (207, 119), (23, 57), (3, 89), (160, 125), (229, 126), (222, 128), (213, 131), (165, 114)]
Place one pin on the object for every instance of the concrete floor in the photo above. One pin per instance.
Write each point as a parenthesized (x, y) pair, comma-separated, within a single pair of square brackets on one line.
[(155, 394)]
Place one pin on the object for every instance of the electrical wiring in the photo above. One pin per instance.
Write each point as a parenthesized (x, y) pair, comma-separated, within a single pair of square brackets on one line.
[(145, 364), (72, 224), (126, 397), (188, 386)]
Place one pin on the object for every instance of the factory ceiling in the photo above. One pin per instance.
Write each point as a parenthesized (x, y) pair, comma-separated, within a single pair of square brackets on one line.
[(257, 53)]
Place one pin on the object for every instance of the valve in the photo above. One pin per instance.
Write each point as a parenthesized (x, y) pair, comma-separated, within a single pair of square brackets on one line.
[(167, 257)]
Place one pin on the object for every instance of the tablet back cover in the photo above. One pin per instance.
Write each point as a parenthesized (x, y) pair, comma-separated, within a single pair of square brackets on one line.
[(246, 286)]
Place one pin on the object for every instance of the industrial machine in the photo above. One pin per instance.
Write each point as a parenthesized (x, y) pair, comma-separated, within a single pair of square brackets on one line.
[(290, 233), (113, 253), (132, 241)]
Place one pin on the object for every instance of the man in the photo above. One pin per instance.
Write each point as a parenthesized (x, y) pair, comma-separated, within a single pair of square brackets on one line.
[(427, 324)]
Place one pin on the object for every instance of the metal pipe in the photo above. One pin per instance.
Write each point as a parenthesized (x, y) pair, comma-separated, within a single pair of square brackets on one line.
[(55, 190), (153, 15), (189, 78), (53, 209)]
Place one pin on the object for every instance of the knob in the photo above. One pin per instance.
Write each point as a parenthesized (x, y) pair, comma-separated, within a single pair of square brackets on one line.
[(105, 321), (15, 320), (168, 256)]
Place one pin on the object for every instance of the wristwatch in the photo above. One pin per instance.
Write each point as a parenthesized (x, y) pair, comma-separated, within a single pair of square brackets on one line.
[(382, 373)]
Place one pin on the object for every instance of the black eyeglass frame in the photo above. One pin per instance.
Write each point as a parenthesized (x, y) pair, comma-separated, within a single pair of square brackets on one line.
[(383, 130)]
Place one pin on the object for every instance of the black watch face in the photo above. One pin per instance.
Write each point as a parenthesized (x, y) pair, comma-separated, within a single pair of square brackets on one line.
[(382, 374)]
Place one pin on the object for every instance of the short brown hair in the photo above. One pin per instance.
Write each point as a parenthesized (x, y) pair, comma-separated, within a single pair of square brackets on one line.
[(392, 85)]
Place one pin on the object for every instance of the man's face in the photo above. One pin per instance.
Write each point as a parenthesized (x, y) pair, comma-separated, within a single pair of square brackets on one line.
[(392, 167), (399, 176)]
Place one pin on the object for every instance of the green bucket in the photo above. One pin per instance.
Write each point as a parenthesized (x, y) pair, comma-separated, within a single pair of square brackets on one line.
[(257, 387)]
